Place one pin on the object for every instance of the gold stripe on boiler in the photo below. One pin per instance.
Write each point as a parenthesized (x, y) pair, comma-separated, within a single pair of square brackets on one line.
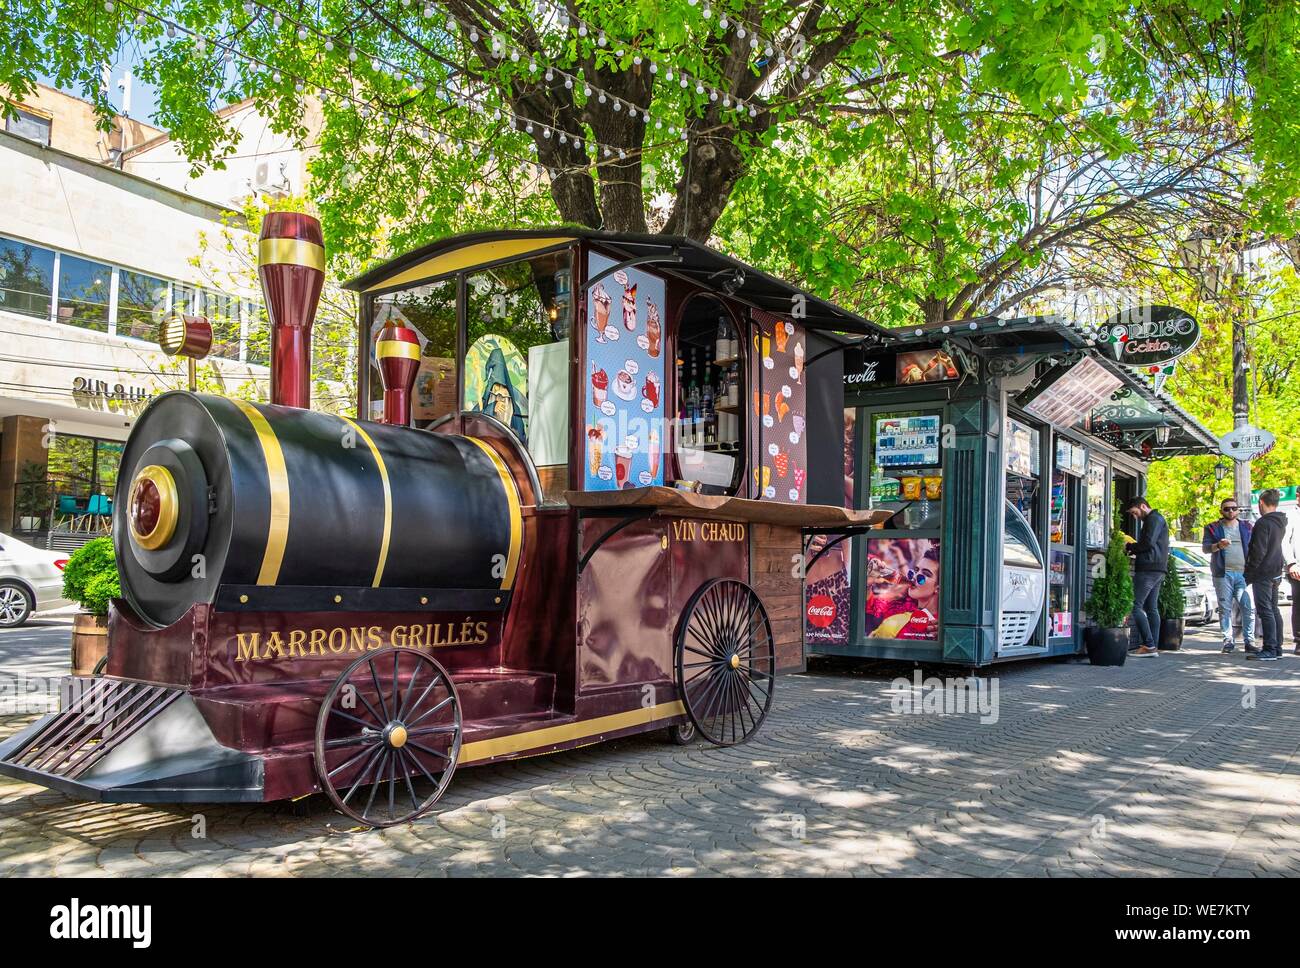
[(516, 516), (388, 501), (277, 482)]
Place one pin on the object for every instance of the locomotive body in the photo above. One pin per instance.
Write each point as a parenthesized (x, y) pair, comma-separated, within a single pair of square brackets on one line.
[(316, 603)]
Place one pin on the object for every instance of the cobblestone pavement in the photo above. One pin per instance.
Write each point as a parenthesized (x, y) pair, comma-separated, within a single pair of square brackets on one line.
[(1181, 764)]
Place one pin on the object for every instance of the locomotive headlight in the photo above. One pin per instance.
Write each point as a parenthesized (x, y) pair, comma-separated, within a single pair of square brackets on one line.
[(154, 507)]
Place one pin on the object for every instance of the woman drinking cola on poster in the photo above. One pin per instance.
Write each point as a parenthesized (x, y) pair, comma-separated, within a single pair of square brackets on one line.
[(902, 589)]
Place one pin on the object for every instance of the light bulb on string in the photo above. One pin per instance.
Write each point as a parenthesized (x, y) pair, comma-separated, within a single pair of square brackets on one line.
[(171, 30), (302, 33), (329, 45)]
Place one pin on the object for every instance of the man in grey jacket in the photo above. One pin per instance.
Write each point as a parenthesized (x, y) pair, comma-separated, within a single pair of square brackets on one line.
[(1150, 562)]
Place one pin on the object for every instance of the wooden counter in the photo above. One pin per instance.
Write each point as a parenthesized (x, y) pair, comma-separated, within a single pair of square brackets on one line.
[(684, 504)]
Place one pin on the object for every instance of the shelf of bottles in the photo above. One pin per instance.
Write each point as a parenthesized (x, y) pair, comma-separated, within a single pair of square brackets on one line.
[(708, 388)]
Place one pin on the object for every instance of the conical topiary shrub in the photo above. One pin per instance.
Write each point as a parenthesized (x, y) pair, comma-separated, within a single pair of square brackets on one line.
[(1109, 604)]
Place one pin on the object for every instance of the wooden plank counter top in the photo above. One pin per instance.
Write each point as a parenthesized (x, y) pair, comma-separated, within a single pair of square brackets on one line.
[(685, 504)]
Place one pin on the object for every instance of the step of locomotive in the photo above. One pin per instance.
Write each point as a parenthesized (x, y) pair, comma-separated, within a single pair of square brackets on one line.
[(270, 716)]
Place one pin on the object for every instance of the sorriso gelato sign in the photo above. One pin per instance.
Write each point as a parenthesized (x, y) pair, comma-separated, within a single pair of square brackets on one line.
[(1149, 335)]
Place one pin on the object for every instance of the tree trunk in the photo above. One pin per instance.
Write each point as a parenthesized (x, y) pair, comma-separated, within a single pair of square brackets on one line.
[(711, 167)]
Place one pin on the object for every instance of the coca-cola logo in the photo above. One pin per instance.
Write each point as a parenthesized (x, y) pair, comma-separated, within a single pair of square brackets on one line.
[(821, 611)]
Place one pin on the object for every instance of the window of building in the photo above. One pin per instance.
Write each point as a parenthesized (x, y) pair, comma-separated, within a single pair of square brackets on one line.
[(141, 304), (222, 312), (26, 277), (80, 480), (29, 125), (83, 293), (257, 333)]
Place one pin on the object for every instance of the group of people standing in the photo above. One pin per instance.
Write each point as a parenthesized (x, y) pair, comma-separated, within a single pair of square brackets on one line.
[(1257, 556), (1247, 561)]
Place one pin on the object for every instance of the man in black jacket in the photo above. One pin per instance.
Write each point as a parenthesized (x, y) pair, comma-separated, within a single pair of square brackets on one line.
[(1150, 562), (1264, 572)]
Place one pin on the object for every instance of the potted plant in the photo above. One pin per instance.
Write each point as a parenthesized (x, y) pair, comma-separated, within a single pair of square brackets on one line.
[(90, 579), (1109, 604), (1172, 605)]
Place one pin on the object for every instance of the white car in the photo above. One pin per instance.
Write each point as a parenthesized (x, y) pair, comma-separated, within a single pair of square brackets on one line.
[(1198, 583), (31, 579)]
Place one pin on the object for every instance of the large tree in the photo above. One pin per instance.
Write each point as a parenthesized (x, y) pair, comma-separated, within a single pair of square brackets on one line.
[(656, 114)]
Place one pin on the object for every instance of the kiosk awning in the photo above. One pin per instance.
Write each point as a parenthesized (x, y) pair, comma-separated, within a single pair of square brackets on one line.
[(690, 260), (1146, 421)]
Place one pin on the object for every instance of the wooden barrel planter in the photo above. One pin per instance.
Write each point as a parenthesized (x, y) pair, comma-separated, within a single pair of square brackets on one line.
[(89, 642)]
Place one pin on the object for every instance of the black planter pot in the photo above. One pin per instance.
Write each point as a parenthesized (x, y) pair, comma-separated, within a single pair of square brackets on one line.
[(1171, 634), (1106, 647)]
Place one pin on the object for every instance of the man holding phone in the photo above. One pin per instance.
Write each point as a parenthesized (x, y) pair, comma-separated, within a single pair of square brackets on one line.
[(1227, 542)]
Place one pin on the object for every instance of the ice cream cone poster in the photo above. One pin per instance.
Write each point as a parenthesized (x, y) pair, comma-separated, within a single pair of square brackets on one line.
[(623, 396), (779, 396)]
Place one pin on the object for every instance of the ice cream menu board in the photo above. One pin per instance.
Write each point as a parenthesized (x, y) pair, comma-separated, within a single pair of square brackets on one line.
[(623, 385), (779, 461)]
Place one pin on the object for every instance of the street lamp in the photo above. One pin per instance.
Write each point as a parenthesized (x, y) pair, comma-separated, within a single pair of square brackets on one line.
[(1220, 472), (1219, 267)]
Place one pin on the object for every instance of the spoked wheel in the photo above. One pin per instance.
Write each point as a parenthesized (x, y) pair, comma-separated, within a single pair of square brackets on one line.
[(726, 661), (387, 737)]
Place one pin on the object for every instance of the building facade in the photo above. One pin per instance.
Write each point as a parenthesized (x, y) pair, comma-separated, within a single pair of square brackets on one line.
[(93, 255)]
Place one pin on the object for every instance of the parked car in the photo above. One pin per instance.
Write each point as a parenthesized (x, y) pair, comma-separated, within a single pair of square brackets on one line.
[(1194, 572), (31, 579)]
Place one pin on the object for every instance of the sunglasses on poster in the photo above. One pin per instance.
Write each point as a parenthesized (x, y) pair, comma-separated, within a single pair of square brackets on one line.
[(919, 576)]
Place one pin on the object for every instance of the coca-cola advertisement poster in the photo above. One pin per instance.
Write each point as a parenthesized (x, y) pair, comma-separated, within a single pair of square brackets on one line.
[(624, 380), (902, 589)]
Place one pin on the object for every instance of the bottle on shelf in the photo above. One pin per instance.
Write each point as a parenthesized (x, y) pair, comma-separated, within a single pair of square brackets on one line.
[(722, 345)]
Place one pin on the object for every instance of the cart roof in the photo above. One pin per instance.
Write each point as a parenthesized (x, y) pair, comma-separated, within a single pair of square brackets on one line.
[(698, 264)]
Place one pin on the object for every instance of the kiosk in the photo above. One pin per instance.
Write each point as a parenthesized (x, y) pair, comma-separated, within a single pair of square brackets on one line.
[(1002, 449)]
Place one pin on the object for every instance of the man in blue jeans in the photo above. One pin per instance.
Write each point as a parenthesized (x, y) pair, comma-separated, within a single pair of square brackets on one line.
[(1150, 562), (1227, 541), (1264, 565)]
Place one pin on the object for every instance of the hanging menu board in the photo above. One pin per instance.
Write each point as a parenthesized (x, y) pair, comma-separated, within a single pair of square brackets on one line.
[(623, 387)]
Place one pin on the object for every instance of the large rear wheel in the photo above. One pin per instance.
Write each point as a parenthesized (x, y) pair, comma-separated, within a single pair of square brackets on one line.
[(387, 737), (726, 661)]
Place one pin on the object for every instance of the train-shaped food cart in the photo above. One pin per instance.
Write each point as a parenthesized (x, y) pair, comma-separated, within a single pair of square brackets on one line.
[(577, 515)]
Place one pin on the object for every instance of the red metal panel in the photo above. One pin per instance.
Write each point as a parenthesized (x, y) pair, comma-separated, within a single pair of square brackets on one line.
[(625, 621)]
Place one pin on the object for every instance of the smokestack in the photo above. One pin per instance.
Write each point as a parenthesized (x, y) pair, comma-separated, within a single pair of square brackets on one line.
[(398, 352), (291, 266)]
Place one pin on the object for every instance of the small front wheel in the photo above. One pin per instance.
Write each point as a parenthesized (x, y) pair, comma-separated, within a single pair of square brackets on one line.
[(388, 736), (726, 661)]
